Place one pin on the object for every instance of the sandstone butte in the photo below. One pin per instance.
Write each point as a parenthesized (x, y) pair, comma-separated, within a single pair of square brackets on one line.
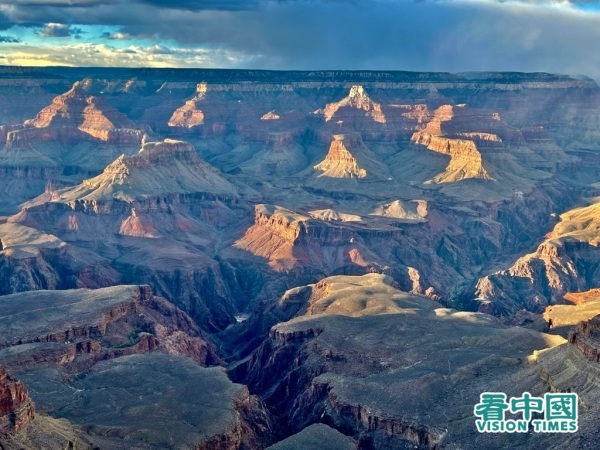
[(245, 260)]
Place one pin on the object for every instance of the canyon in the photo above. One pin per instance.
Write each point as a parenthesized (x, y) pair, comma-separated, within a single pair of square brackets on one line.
[(229, 259)]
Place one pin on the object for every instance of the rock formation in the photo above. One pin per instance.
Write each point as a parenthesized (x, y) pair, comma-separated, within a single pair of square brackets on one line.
[(328, 229), (356, 357), (74, 112), (159, 168), (16, 408), (446, 134), (356, 99), (339, 162), (189, 116), (567, 261)]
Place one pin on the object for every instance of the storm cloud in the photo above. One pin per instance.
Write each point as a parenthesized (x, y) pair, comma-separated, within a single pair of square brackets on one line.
[(447, 35)]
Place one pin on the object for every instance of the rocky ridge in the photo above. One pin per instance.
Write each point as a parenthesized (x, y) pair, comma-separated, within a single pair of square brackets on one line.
[(463, 175)]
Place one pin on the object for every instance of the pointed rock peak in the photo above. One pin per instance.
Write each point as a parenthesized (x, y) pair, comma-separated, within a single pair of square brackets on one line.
[(64, 107), (77, 90), (201, 90), (357, 91), (357, 99), (339, 162)]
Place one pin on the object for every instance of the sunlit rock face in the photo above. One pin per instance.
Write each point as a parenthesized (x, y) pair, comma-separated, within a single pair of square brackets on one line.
[(363, 252)]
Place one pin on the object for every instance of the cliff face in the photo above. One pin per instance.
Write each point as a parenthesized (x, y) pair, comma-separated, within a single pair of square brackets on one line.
[(16, 408), (425, 182), (356, 99), (292, 241), (458, 131), (103, 324), (339, 162), (465, 159), (76, 115), (568, 261), (351, 360), (30, 260)]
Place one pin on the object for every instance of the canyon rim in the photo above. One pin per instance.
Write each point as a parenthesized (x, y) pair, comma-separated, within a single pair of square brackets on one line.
[(248, 259)]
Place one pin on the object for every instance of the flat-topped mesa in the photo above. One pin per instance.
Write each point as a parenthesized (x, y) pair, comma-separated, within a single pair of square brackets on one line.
[(163, 153), (340, 162), (159, 168), (16, 408), (189, 115), (357, 99)]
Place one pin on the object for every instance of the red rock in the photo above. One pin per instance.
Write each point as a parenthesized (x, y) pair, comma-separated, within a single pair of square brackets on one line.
[(16, 408)]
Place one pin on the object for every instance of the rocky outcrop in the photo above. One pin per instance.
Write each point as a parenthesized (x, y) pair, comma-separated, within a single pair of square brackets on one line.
[(465, 159), (586, 338), (352, 361), (288, 240), (339, 162), (16, 408), (271, 115), (357, 99), (102, 324), (253, 427), (74, 116), (568, 261), (31, 260), (159, 168), (349, 166), (457, 131), (189, 116)]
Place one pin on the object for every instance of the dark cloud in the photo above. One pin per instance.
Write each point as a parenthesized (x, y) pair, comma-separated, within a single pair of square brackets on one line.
[(206, 5), (5, 23), (59, 30), (9, 40), (61, 3), (445, 35)]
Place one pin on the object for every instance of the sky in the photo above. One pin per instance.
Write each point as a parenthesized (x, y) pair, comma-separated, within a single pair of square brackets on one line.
[(555, 36)]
